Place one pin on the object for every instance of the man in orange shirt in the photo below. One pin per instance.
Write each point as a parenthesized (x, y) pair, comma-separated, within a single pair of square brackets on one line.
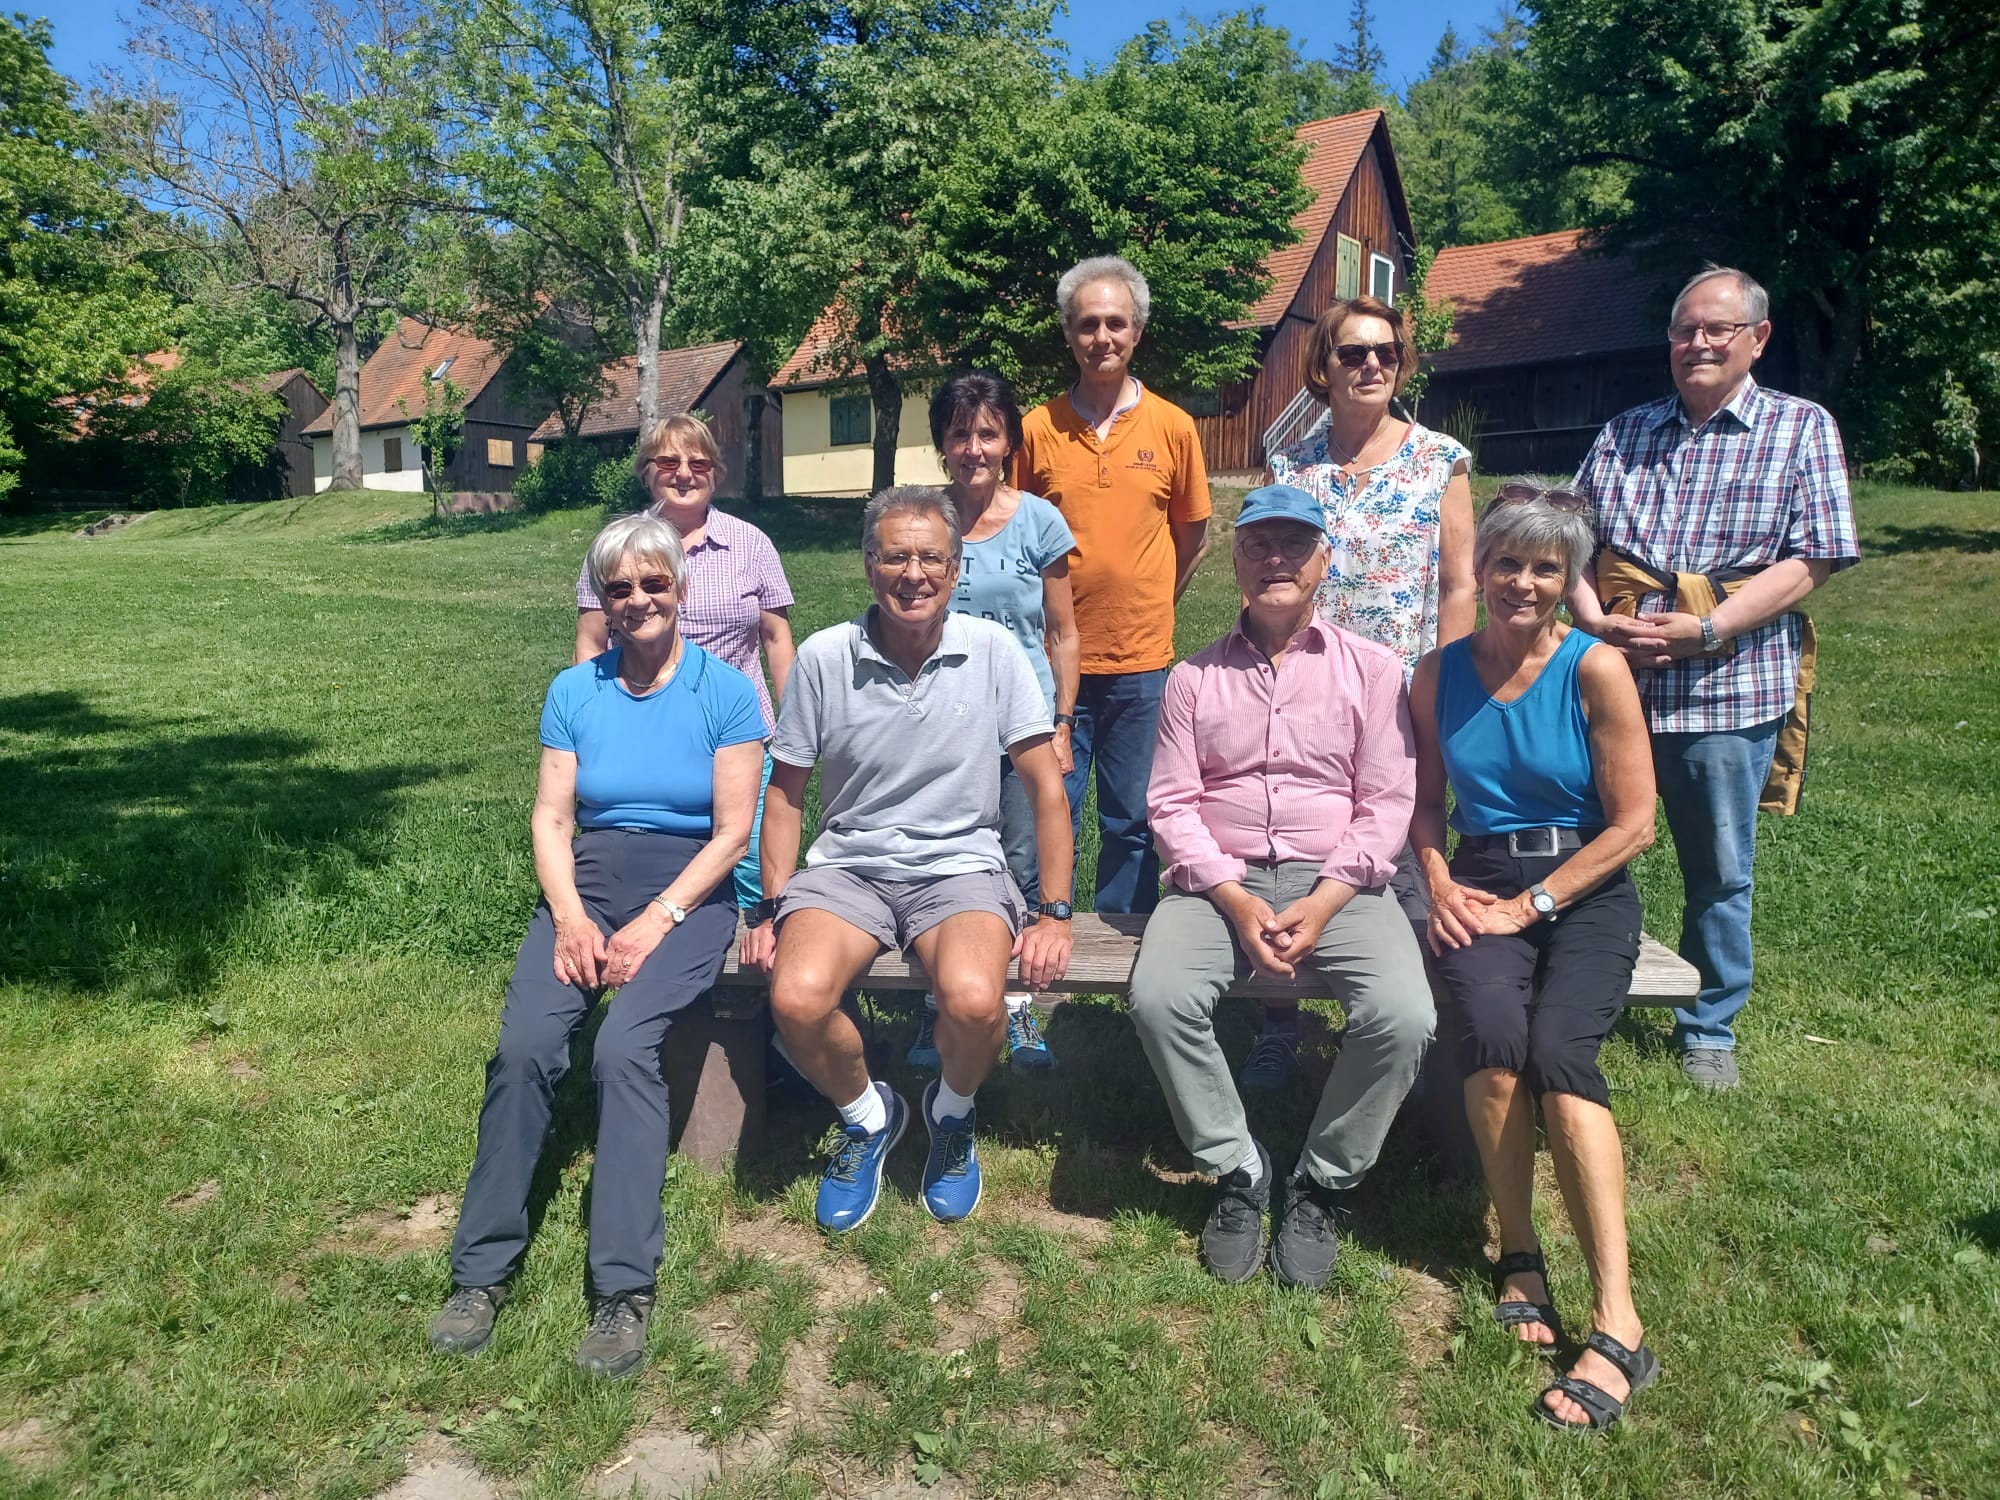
[(1124, 467)]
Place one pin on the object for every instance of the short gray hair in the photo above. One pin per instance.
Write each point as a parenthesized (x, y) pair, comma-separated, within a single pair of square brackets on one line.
[(1105, 268), (1756, 301), (1536, 526), (912, 500), (644, 536)]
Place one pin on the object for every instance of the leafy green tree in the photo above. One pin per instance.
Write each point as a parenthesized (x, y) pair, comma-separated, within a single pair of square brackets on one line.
[(1443, 134), (1847, 152), (185, 434), (76, 301), (437, 429), (1179, 155), (259, 126)]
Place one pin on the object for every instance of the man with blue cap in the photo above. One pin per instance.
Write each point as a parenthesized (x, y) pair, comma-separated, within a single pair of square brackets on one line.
[(1283, 782)]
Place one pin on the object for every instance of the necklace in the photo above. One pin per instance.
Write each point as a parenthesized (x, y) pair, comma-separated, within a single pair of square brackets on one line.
[(666, 672)]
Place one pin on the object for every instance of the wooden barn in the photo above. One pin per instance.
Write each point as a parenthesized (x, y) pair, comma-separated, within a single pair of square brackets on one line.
[(1550, 339), (710, 379), (290, 472), (499, 417), (1354, 237)]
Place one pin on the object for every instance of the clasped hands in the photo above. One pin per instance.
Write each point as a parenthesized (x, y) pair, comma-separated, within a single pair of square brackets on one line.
[(1653, 639), (1460, 913), (587, 959), (1277, 942)]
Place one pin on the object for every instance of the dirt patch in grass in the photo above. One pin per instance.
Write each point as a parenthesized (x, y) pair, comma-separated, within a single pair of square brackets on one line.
[(387, 1232), (439, 1472), (1424, 1311), (1037, 1213), (729, 1334), (30, 1445), (837, 1280), (994, 1313), (199, 1196)]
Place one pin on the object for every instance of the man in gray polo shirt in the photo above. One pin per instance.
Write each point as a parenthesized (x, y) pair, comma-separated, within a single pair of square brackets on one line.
[(901, 709)]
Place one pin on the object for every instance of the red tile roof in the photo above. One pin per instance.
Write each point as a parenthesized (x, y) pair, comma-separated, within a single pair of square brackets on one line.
[(685, 376), (806, 366), (399, 369), (1549, 296), (1334, 149)]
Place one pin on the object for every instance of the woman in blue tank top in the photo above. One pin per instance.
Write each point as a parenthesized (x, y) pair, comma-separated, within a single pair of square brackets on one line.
[(1538, 733)]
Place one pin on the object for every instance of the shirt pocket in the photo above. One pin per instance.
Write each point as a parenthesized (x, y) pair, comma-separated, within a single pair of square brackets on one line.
[(1320, 748)]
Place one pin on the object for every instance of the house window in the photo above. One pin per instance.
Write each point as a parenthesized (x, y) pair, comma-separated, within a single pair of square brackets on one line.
[(1346, 266), (852, 418), (500, 452), (443, 365), (392, 455), (534, 454), (1382, 278)]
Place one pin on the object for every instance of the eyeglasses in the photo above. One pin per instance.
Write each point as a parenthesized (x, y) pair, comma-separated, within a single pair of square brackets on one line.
[(934, 564), (1295, 544), (1354, 356), (1559, 496), (1717, 334), (673, 463), (621, 589)]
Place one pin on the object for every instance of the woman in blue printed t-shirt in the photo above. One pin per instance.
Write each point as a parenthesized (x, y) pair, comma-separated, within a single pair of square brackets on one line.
[(651, 756), (1014, 571)]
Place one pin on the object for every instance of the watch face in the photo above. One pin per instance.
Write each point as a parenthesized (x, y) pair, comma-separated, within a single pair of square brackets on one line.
[(1543, 901)]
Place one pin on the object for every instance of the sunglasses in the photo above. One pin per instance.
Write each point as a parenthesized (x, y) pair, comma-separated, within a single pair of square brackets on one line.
[(1354, 356), (654, 585), (1559, 496), (673, 463)]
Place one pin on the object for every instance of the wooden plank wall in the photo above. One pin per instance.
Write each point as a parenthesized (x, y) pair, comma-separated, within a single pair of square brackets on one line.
[(499, 411), (1233, 439)]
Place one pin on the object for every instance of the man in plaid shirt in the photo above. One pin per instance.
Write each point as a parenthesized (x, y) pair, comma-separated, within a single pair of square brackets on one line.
[(1723, 476)]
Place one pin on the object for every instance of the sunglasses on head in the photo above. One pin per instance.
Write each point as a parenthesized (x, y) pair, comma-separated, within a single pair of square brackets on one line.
[(1354, 356), (671, 463), (654, 585), (1560, 496)]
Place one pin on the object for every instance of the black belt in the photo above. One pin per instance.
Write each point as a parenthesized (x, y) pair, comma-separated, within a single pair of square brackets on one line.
[(1532, 843)]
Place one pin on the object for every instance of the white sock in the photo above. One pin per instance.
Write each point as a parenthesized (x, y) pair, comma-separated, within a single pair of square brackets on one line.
[(950, 1104), (870, 1111), (1252, 1167), (1018, 1001)]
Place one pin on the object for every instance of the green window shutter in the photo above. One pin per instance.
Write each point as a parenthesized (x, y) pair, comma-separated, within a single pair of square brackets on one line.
[(1346, 267)]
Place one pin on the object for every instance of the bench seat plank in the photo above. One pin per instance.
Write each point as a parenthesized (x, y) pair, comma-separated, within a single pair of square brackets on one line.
[(1107, 945)]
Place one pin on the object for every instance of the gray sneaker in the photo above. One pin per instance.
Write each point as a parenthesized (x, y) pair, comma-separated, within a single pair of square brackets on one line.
[(1308, 1239), (615, 1343), (1232, 1241), (1711, 1067), (465, 1323)]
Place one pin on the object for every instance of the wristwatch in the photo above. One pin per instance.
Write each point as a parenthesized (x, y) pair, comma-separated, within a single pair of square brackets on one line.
[(676, 913), (764, 911), (1711, 642), (1543, 903), (1060, 910), (1069, 719)]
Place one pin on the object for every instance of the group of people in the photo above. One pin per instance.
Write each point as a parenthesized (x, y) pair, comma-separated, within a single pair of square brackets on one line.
[(1295, 783)]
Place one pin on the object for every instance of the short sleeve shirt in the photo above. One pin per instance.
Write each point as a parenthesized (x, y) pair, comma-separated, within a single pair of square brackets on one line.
[(733, 576), (649, 762), (1000, 579), (1119, 496), (1762, 480), (1384, 525), (909, 767)]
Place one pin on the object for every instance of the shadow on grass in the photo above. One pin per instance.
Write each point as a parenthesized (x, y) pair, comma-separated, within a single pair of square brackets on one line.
[(132, 850), (1982, 1229), (449, 527), (1892, 541)]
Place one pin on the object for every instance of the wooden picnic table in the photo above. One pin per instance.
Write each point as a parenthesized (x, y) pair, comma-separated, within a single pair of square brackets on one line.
[(716, 1051)]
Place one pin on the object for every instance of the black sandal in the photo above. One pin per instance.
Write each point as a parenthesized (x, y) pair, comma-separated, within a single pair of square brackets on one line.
[(1640, 1367), (1512, 1314)]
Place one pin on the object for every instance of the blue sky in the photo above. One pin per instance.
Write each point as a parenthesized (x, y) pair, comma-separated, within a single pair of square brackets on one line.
[(88, 34)]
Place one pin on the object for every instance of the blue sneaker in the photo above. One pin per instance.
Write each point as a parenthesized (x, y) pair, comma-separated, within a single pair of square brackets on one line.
[(951, 1175), (923, 1051), (1269, 1066), (852, 1182), (1027, 1049)]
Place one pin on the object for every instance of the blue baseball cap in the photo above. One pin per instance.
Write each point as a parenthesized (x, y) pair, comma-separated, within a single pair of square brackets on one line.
[(1280, 502)]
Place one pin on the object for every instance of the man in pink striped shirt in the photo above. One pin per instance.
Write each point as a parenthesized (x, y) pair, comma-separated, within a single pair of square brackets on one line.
[(1283, 782)]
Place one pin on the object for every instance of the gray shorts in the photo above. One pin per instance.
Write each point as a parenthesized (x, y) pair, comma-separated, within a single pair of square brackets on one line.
[(896, 912)]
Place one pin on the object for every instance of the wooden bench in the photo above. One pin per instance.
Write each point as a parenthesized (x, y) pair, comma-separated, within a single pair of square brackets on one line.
[(716, 1055)]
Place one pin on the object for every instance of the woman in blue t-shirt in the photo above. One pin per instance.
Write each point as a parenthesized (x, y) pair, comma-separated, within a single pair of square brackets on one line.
[(1537, 729), (1014, 570), (651, 756)]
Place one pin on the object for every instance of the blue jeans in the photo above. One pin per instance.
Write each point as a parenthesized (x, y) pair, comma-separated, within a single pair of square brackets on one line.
[(749, 869), (1709, 786), (1017, 835), (1117, 720)]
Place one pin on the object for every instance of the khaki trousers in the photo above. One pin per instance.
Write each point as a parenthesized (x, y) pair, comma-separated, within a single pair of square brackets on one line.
[(1190, 956)]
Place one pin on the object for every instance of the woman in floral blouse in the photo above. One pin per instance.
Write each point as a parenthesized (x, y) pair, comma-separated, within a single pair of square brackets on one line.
[(1398, 504)]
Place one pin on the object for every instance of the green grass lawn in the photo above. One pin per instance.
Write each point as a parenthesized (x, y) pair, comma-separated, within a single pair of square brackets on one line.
[(264, 782)]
